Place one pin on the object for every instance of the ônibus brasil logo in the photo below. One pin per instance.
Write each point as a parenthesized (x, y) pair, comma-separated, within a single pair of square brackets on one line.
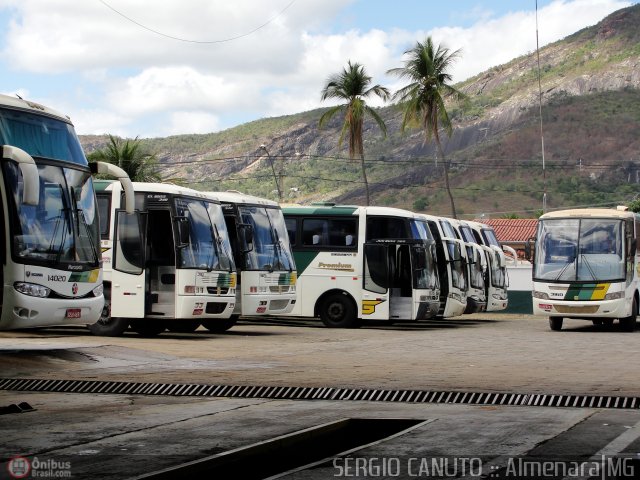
[(19, 467)]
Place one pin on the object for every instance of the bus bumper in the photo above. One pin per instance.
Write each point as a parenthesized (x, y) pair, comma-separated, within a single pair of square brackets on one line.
[(25, 311), (427, 310), (267, 304), (586, 310)]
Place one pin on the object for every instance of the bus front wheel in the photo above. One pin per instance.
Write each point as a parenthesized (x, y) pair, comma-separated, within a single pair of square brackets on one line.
[(628, 324), (338, 311), (148, 328), (555, 323), (215, 325), (108, 326)]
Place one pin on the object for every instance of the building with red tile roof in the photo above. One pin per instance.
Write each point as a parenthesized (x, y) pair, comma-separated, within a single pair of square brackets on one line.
[(514, 232)]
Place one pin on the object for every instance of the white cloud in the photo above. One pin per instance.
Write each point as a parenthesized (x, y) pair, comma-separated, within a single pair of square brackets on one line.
[(126, 80)]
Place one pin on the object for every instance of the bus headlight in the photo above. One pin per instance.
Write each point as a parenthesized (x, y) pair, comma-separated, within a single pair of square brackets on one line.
[(541, 295), (32, 289), (99, 290), (614, 295)]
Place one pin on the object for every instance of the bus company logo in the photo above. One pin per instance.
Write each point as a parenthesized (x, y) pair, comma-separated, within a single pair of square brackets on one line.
[(343, 267), (19, 467), (57, 278), (369, 306), (74, 288)]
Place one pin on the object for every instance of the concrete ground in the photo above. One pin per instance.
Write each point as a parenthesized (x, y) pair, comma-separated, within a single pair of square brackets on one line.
[(124, 436)]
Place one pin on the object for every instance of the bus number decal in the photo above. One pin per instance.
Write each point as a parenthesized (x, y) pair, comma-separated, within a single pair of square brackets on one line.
[(369, 306)]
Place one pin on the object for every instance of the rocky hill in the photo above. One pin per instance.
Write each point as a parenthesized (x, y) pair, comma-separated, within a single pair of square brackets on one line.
[(590, 118)]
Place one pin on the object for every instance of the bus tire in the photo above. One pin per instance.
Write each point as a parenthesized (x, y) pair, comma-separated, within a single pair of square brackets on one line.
[(338, 311), (221, 325), (148, 327), (108, 326), (183, 326), (555, 323), (628, 324)]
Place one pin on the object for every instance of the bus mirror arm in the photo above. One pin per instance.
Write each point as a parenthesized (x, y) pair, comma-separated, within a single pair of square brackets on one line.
[(31, 190), (121, 175)]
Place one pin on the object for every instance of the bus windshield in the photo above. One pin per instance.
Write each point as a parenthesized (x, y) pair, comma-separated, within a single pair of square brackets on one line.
[(63, 227), (40, 136), (208, 246), (270, 248), (490, 238), (586, 250)]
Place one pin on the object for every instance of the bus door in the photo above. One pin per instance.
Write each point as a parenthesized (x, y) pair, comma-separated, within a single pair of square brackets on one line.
[(128, 279), (389, 269)]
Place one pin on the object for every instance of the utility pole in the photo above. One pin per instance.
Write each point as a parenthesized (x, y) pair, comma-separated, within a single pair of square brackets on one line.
[(275, 177)]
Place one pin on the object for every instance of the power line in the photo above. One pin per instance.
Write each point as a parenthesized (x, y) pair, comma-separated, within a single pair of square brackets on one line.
[(129, 19)]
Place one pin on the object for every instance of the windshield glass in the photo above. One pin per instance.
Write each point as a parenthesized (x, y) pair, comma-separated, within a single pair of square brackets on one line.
[(420, 230), (476, 273), (490, 238), (208, 246), (458, 273), (63, 227), (498, 273), (467, 234), (447, 229), (270, 249), (574, 249), (40, 136)]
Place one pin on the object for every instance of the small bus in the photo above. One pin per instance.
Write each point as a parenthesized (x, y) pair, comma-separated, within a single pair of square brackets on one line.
[(176, 272), (586, 266), (50, 273), (477, 274), (451, 268), (362, 263), (497, 281), (262, 253)]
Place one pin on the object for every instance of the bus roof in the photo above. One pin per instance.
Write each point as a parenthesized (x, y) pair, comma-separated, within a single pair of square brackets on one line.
[(239, 197), (346, 210), (103, 185), (33, 107), (590, 212)]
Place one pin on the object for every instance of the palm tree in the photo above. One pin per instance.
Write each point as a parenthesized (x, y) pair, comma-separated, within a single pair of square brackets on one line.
[(423, 100), (127, 154), (353, 85)]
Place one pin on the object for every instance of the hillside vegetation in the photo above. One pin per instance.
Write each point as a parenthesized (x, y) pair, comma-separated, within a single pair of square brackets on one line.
[(590, 124)]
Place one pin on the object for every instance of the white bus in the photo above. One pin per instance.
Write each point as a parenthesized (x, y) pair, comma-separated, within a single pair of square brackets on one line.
[(50, 253), (496, 281), (356, 263), (262, 254), (451, 269), (477, 275), (586, 266), (178, 274)]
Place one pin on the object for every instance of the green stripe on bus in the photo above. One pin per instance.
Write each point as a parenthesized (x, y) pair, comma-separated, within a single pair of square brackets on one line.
[(303, 259), (319, 210), (580, 292)]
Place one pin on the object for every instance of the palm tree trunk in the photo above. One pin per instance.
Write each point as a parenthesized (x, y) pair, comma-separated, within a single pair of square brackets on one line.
[(364, 177), (446, 176)]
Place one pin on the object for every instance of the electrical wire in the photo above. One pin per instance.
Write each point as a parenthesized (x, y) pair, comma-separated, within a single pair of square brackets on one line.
[(129, 19)]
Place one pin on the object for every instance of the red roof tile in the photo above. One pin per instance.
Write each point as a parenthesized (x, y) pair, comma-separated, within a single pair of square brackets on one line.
[(513, 229)]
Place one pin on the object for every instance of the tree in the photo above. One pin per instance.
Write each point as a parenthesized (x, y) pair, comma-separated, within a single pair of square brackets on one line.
[(423, 99), (353, 85), (128, 155)]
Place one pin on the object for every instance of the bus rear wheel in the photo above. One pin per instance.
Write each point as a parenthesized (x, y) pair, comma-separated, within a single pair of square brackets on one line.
[(215, 325), (338, 311), (108, 326), (148, 328), (555, 323)]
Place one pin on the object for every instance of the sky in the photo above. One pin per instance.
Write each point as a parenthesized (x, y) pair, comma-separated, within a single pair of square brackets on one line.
[(137, 68)]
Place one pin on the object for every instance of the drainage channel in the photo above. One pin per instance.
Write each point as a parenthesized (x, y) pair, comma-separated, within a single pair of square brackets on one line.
[(295, 451), (319, 393)]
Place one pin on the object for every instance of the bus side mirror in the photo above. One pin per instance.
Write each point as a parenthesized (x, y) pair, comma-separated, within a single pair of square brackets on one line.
[(529, 248), (246, 236), (182, 224)]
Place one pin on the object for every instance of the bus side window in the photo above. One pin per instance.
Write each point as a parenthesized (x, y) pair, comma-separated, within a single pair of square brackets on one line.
[(292, 227), (315, 232)]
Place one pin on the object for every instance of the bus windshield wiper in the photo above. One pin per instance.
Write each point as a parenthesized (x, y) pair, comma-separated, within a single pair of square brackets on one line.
[(586, 262), (565, 268)]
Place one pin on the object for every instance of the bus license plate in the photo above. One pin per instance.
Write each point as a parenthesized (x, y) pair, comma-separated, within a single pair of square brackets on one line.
[(73, 313)]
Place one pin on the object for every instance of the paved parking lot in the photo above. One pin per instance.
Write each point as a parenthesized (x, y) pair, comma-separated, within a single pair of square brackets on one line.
[(127, 435), (507, 353)]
